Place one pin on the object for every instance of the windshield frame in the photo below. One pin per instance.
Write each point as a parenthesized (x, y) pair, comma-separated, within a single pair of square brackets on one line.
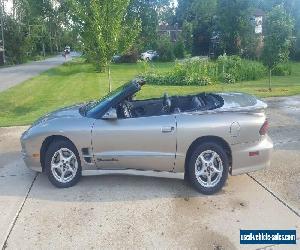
[(98, 108)]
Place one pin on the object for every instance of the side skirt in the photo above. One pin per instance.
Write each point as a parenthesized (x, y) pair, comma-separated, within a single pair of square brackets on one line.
[(161, 174)]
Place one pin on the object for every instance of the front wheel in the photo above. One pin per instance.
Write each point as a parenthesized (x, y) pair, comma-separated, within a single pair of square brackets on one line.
[(63, 164), (208, 168)]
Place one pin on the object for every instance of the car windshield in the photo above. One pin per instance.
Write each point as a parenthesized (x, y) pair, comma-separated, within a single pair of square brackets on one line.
[(104, 100)]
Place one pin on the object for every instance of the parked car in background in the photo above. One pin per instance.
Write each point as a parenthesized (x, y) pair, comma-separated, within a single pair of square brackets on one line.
[(116, 58), (205, 135), (149, 55)]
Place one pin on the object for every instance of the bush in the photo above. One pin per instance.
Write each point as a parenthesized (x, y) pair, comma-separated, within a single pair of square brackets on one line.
[(190, 72), (130, 56), (228, 78), (206, 72), (240, 69), (282, 70)]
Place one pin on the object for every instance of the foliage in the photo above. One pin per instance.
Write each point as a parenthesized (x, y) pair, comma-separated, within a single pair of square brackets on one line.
[(15, 42), (282, 69), (102, 24), (197, 21), (179, 49), (238, 69), (278, 30), (36, 28), (228, 78), (227, 69), (166, 50), (130, 56), (187, 35), (234, 24), (148, 12)]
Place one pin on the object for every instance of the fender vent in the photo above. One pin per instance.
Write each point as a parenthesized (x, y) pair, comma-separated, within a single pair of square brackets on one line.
[(87, 155)]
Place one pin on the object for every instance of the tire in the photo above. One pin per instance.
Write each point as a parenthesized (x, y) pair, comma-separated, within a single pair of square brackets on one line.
[(211, 162), (62, 158)]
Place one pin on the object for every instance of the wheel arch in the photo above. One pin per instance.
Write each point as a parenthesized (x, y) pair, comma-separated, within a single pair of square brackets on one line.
[(46, 143), (216, 139)]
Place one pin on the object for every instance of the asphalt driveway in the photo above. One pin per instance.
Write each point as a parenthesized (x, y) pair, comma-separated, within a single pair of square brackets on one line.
[(11, 76), (119, 211)]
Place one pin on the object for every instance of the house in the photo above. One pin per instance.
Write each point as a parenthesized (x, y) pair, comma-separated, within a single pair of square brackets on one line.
[(171, 31), (258, 16)]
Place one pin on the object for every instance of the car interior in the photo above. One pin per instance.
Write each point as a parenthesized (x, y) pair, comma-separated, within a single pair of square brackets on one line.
[(168, 105)]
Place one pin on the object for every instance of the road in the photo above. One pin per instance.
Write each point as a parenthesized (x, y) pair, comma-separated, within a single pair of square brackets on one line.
[(119, 211), (11, 76)]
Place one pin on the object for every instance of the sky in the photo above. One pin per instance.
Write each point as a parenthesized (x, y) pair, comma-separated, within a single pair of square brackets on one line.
[(8, 5)]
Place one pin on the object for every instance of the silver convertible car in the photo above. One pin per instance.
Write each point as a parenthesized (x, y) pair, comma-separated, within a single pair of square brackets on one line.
[(206, 136)]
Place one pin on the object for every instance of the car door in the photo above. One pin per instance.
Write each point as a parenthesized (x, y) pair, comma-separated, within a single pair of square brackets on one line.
[(144, 143)]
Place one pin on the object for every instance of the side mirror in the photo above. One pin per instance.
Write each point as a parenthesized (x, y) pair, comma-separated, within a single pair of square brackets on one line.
[(111, 114)]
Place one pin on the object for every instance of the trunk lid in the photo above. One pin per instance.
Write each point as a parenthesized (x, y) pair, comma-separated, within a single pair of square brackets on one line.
[(241, 102)]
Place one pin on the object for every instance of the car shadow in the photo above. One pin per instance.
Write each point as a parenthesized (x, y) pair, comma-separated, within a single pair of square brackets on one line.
[(114, 187), (17, 180)]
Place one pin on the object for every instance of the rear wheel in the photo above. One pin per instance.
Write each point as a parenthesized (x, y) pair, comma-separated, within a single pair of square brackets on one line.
[(62, 164), (208, 168)]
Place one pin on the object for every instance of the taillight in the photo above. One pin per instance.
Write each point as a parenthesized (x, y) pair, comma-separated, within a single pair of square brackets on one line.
[(264, 128)]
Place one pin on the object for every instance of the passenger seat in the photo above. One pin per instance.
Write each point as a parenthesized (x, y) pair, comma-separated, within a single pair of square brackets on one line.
[(197, 103)]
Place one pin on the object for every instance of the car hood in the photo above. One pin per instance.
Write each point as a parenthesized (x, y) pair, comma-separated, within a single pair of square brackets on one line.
[(71, 111), (67, 112)]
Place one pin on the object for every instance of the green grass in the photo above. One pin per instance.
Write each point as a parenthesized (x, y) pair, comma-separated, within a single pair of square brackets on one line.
[(78, 82)]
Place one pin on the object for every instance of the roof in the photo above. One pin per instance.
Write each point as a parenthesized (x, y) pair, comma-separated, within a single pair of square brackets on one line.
[(258, 12)]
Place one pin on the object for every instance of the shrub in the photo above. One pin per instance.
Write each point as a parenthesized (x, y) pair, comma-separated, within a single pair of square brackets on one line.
[(189, 72), (205, 72), (240, 69), (282, 70), (228, 78), (130, 56)]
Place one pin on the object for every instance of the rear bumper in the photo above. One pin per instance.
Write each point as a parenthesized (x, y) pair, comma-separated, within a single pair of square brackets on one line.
[(242, 162)]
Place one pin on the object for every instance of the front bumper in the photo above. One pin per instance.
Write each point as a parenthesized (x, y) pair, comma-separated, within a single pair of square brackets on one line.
[(32, 163), (242, 162), (29, 150)]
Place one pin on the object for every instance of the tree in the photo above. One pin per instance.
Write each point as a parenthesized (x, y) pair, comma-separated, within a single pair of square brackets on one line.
[(278, 28), (187, 35), (35, 26), (149, 12), (234, 24), (197, 21), (105, 28)]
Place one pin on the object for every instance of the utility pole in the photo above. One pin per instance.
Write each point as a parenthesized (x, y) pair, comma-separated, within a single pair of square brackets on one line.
[(2, 30)]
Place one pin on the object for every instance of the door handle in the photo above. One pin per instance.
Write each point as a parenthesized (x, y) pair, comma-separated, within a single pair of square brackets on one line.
[(167, 129)]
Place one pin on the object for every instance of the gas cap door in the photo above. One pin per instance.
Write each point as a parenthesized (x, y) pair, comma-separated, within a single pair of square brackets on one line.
[(235, 129)]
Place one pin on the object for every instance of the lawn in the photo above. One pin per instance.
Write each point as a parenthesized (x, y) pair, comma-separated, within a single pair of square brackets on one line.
[(76, 82)]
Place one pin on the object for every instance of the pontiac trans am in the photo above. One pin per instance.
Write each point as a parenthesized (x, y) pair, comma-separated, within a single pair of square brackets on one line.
[(207, 136)]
